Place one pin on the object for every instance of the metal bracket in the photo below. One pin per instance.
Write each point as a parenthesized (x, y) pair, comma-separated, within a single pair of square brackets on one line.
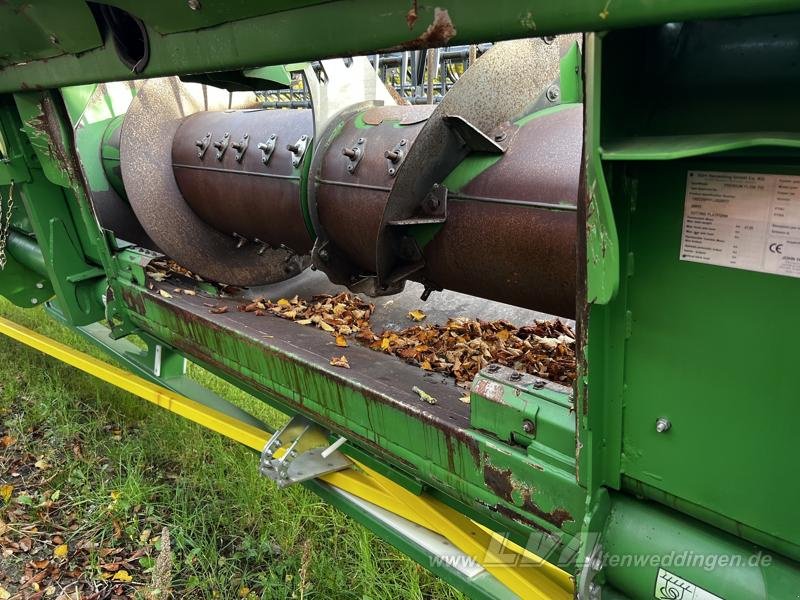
[(394, 157), (222, 145), (306, 453), (354, 154), (298, 149), (241, 147), (267, 148), (433, 208), (202, 145)]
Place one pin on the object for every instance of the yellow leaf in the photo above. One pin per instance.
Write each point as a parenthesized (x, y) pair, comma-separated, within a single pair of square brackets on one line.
[(385, 344), (416, 315), (323, 325), (503, 335), (165, 294), (283, 302), (341, 342), (61, 551), (122, 575), (303, 321), (243, 591), (6, 491), (426, 365), (41, 464), (465, 399), (4, 593)]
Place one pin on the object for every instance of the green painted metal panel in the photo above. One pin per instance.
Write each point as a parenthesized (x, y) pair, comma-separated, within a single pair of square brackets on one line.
[(729, 448), (370, 25)]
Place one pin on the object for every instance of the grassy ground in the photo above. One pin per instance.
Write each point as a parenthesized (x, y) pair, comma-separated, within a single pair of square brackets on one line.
[(92, 478)]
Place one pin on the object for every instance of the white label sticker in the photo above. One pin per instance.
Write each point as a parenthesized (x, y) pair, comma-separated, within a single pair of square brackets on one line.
[(742, 220), (671, 587)]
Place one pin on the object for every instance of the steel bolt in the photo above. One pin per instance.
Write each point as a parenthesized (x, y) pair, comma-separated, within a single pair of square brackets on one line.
[(392, 155), (553, 93), (663, 425), (493, 368), (516, 376), (34, 301), (538, 384), (293, 148), (323, 255), (392, 171), (528, 426), (549, 39), (403, 142), (350, 153), (39, 285), (499, 137), (194, 4)]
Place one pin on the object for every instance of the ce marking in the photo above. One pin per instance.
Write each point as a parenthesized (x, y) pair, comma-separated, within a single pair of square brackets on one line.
[(776, 248)]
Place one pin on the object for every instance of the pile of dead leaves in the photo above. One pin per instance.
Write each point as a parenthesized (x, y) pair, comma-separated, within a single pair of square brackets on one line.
[(462, 347), (340, 315)]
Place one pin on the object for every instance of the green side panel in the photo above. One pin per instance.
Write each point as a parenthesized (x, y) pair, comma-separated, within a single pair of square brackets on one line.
[(678, 340), (713, 350)]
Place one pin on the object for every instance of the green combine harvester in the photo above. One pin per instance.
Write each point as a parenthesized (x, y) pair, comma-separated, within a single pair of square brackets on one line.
[(521, 274)]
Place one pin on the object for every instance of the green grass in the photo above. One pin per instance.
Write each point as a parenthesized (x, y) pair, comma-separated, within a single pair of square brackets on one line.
[(122, 467)]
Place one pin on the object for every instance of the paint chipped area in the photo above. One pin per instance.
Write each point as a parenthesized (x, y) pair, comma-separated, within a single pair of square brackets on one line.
[(490, 389), (438, 33)]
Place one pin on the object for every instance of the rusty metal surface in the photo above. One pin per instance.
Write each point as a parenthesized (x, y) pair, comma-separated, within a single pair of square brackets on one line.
[(496, 89), (541, 165), (146, 157), (501, 241), (246, 197), (349, 206), (510, 253), (510, 233)]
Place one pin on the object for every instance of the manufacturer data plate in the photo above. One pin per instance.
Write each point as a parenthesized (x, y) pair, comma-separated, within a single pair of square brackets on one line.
[(745, 221)]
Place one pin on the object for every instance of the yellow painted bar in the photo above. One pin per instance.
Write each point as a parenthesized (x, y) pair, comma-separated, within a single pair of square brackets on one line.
[(536, 580)]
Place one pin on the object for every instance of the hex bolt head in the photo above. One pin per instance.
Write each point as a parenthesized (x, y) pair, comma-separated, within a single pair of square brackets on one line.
[(553, 93), (516, 376), (493, 368), (663, 425), (528, 426), (323, 255)]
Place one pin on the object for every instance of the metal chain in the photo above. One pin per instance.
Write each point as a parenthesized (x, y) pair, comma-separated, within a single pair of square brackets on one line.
[(5, 226)]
